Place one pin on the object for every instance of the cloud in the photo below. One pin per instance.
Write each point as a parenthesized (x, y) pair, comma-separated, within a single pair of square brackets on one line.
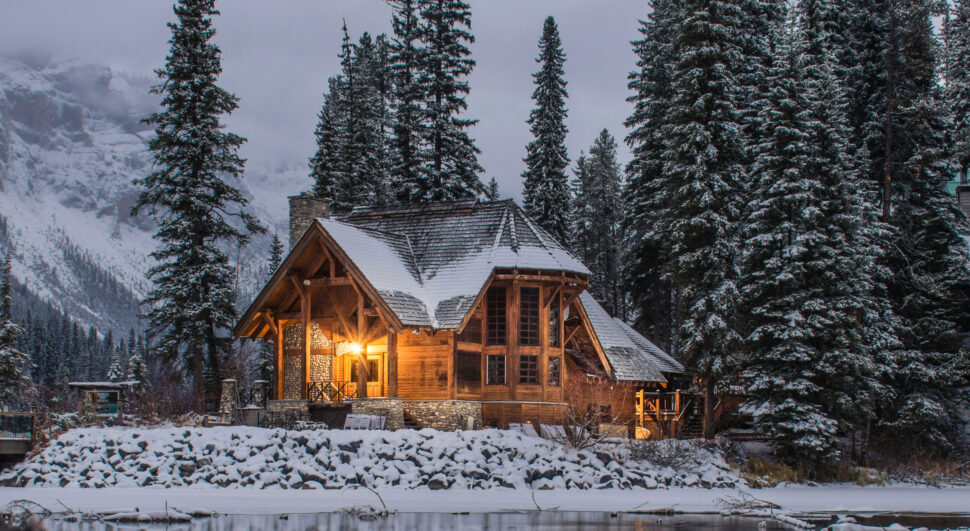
[(278, 55)]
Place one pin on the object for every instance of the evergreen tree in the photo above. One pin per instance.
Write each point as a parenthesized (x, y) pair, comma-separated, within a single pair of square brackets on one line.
[(651, 292), (137, 370), (546, 189), (116, 370), (491, 191), (15, 366), (701, 194), (438, 160), (275, 255), (597, 236), (191, 305), (406, 57), (351, 165), (958, 84)]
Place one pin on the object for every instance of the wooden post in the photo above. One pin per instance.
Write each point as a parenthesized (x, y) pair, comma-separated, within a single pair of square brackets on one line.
[(708, 409), (362, 372), (677, 402), (391, 362), (307, 340), (279, 360)]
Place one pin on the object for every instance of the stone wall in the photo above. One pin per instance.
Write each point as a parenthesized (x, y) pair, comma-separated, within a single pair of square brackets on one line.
[(391, 407), (446, 415)]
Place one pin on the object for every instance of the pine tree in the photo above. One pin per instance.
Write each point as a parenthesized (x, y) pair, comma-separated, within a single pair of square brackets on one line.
[(491, 191), (192, 302), (435, 158), (351, 165), (546, 189), (651, 86), (275, 255), (958, 84), (927, 256), (137, 370), (597, 235), (116, 370), (406, 57), (703, 185), (15, 366)]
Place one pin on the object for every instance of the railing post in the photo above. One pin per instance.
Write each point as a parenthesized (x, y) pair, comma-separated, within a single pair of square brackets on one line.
[(677, 402)]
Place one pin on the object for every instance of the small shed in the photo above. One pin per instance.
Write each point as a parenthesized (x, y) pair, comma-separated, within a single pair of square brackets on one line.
[(106, 399)]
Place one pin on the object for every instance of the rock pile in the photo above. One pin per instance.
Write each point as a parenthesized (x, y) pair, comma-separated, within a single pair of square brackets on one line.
[(243, 457)]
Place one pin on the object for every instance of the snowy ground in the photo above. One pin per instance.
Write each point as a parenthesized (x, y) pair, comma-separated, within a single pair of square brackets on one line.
[(794, 499)]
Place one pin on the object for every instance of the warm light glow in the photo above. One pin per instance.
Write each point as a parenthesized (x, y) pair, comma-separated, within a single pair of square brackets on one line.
[(355, 348)]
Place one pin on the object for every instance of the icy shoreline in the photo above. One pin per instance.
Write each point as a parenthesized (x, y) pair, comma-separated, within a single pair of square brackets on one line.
[(793, 499)]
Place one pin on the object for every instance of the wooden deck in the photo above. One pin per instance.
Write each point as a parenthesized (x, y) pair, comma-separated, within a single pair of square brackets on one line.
[(17, 433)]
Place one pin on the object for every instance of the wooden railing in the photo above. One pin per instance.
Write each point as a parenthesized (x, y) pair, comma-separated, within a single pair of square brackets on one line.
[(665, 412), (18, 425), (331, 391)]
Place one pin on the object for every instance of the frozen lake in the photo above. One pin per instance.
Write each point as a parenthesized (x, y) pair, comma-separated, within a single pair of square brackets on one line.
[(546, 520)]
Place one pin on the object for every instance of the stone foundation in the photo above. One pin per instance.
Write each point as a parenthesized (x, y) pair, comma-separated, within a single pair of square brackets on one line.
[(446, 415), (391, 407)]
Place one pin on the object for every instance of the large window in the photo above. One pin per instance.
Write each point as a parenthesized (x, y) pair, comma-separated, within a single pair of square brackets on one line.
[(495, 369), (495, 316), (529, 316), (555, 370), (554, 323), (528, 369), (373, 370), (469, 371)]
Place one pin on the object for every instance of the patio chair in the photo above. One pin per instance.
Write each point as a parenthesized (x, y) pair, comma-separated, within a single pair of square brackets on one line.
[(377, 422)]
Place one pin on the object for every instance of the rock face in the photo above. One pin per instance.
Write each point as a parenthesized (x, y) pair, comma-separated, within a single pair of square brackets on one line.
[(237, 457)]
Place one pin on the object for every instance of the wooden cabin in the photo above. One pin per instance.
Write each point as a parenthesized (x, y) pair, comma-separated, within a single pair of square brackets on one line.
[(458, 313)]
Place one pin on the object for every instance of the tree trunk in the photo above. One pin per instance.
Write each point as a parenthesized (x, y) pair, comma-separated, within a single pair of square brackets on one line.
[(198, 388), (708, 409)]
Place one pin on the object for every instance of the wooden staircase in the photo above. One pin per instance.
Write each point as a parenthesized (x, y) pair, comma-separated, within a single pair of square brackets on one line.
[(411, 423)]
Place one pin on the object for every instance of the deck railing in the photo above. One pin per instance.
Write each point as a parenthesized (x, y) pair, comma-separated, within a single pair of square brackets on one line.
[(331, 391), (17, 425)]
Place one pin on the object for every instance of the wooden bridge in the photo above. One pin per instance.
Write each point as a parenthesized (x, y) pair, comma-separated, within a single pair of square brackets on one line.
[(18, 431)]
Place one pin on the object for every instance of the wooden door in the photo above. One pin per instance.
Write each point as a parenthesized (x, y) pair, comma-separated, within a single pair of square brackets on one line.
[(375, 375)]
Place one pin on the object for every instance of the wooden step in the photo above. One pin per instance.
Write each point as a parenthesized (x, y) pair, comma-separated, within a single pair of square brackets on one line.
[(411, 423)]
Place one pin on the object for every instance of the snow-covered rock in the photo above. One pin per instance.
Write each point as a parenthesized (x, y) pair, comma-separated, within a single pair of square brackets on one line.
[(238, 457)]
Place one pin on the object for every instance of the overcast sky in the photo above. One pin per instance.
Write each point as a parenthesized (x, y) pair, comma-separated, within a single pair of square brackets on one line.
[(278, 54)]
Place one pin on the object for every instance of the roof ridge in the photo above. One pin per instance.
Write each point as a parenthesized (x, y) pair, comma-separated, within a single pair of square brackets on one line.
[(414, 261), (540, 235), (498, 236)]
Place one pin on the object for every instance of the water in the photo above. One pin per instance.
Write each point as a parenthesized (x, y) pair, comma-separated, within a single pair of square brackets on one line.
[(546, 521)]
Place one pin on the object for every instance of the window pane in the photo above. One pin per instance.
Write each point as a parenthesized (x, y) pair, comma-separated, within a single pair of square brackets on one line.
[(529, 316), (495, 316), (373, 370), (496, 369), (554, 370), (554, 322), (529, 369), (469, 371)]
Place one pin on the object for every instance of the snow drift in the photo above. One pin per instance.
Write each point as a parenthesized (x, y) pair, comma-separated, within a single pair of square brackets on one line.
[(243, 457)]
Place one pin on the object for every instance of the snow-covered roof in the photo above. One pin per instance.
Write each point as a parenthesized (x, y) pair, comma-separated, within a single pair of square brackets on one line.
[(429, 262), (632, 356)]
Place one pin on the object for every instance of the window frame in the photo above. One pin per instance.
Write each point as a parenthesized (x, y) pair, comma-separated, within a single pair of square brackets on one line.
[(529, 369), (494, 321), (489, 371), (557, 382), (530, 319)]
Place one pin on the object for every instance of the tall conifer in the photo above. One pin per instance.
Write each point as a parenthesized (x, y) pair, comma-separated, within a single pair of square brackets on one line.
[(546, 188), (188, 193), (15, 365)]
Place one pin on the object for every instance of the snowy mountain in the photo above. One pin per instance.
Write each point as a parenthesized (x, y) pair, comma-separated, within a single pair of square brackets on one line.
[(71, 141)]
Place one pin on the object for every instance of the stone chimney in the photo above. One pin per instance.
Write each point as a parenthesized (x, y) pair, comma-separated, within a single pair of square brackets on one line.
[(303, 210)]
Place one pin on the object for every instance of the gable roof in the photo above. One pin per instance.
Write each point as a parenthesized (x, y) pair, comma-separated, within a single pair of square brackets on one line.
[(632, 356), (430, 262)]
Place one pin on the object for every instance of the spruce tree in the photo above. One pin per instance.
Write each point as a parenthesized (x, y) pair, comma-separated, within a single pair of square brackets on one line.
[(16, 383), (448, 168), (351, 165), (116, 370), (651, 86), (958, 84), (275, 255), (546, 188), (406, 57), (702, 190), (491, 190), (137, 370), (597, 234), (927, 256), (188, 193)]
